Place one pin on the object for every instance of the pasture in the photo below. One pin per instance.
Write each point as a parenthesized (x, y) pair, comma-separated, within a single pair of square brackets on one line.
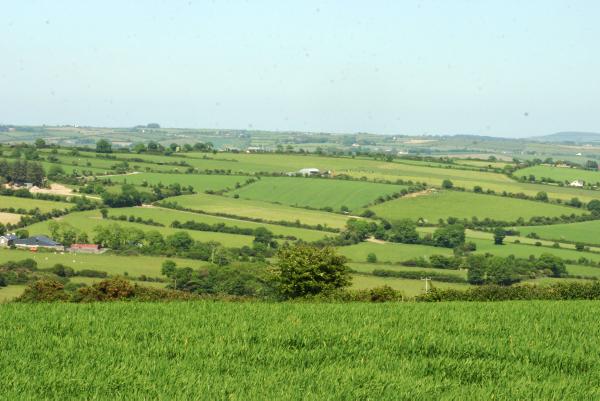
[(200, 182), (389, 252), (537, 350), (258, 209), (315, 192), (443, 204)]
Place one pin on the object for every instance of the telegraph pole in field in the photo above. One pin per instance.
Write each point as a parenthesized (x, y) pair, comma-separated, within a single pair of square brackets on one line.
[(427, 280)]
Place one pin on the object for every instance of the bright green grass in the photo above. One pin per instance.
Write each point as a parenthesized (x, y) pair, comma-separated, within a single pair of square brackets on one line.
[(316, 193), (167, 216), (587, 232), (444, 204), (264, 351), (579, 270), (560, 174), (10, 292), (524, 251), (112, 264), (87, 221), (199, 182), (409, 288), (369, 267), (28, 204), (258, 209), (390, 252)]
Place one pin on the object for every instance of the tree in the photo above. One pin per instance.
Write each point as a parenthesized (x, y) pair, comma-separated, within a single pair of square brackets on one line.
[(308, 270), (404, 231), (450, 236), (180, 241), (168, 268), (447, 184), (553, 263), (55, 171), (372, 258), (594, 206), (541, 196), (104, 212), (40, 143), (499, 235), (103, 146)]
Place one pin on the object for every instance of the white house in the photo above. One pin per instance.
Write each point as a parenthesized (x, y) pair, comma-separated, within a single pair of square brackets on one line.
[(577, 183), (309, 171), (7, 239)]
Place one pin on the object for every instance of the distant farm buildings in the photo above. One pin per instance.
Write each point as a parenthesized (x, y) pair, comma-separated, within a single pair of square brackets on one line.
[(36, 242), (309, 171), (577, 184), (85, 248)]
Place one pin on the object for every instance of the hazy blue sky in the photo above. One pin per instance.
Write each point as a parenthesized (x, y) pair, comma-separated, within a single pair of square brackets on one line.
[(507, 68)]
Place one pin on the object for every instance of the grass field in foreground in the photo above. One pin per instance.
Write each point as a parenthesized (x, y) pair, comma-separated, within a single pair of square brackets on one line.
[(317, 193), (258, 209), (444, 204), (261, 351), (28, 204)]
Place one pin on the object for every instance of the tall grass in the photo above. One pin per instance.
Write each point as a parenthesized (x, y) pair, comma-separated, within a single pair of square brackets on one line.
[(262, 351)]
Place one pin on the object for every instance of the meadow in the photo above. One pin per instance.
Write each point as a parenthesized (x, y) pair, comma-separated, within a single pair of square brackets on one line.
[(258, 209), (316, 193), (291, 351), (443, 204), (200, 182), (390, 252)]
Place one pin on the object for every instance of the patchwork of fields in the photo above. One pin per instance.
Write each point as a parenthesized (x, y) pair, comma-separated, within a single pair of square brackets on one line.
[(560, 174)]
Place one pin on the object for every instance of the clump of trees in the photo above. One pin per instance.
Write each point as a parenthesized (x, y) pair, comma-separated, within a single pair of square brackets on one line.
[(22, 171), (488, 269)]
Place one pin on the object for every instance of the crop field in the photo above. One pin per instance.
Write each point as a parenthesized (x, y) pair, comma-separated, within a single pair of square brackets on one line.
[(11, 218), (560, 174), (28, 204), (444, 204), (316, 193), (86, 221), (134, 266), (586, 232), (258, 209), (409, 288), (167, 216), (508, 350)]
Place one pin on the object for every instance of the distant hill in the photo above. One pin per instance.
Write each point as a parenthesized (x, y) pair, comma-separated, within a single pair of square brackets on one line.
[(576, 137)]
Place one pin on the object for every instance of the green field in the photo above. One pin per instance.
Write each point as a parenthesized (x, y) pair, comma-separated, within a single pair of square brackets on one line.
[(444, 204), (199, 182), (316, 193), (135, 266), (586, 232), (263, 351), (390, 252), (167, 216), (409, 288), (560, 174), (258, 209), (28, 204), (10, 292)]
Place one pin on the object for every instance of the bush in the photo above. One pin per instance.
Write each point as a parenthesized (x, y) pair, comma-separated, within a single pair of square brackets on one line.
[(46, 290)]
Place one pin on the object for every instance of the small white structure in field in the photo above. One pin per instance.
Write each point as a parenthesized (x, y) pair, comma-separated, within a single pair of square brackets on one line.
[(577, 184), (309, 171)]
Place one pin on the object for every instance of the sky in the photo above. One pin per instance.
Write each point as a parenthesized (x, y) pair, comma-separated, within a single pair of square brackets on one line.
[(502, 68)]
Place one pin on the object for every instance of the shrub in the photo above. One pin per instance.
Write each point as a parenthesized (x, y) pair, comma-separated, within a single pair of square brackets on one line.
[(46, 290)]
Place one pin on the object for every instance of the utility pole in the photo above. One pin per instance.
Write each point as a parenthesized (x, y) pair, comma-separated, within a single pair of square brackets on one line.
[(427, 280)]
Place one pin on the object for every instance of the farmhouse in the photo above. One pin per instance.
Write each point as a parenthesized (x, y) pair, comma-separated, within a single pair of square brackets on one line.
[(85, 248), (577, 184), (309, 171), (38, 241), (8, 239)]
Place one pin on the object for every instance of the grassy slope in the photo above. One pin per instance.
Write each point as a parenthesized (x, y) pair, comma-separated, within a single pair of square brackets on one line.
[(443, 204), (585, 232), (316, 193), (208, 350), (27, 204), (258, 209), (390, 252), (200, 182)]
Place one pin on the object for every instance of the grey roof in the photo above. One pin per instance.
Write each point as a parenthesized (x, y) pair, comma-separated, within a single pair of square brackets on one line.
[(38, 240), (9, 237)]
